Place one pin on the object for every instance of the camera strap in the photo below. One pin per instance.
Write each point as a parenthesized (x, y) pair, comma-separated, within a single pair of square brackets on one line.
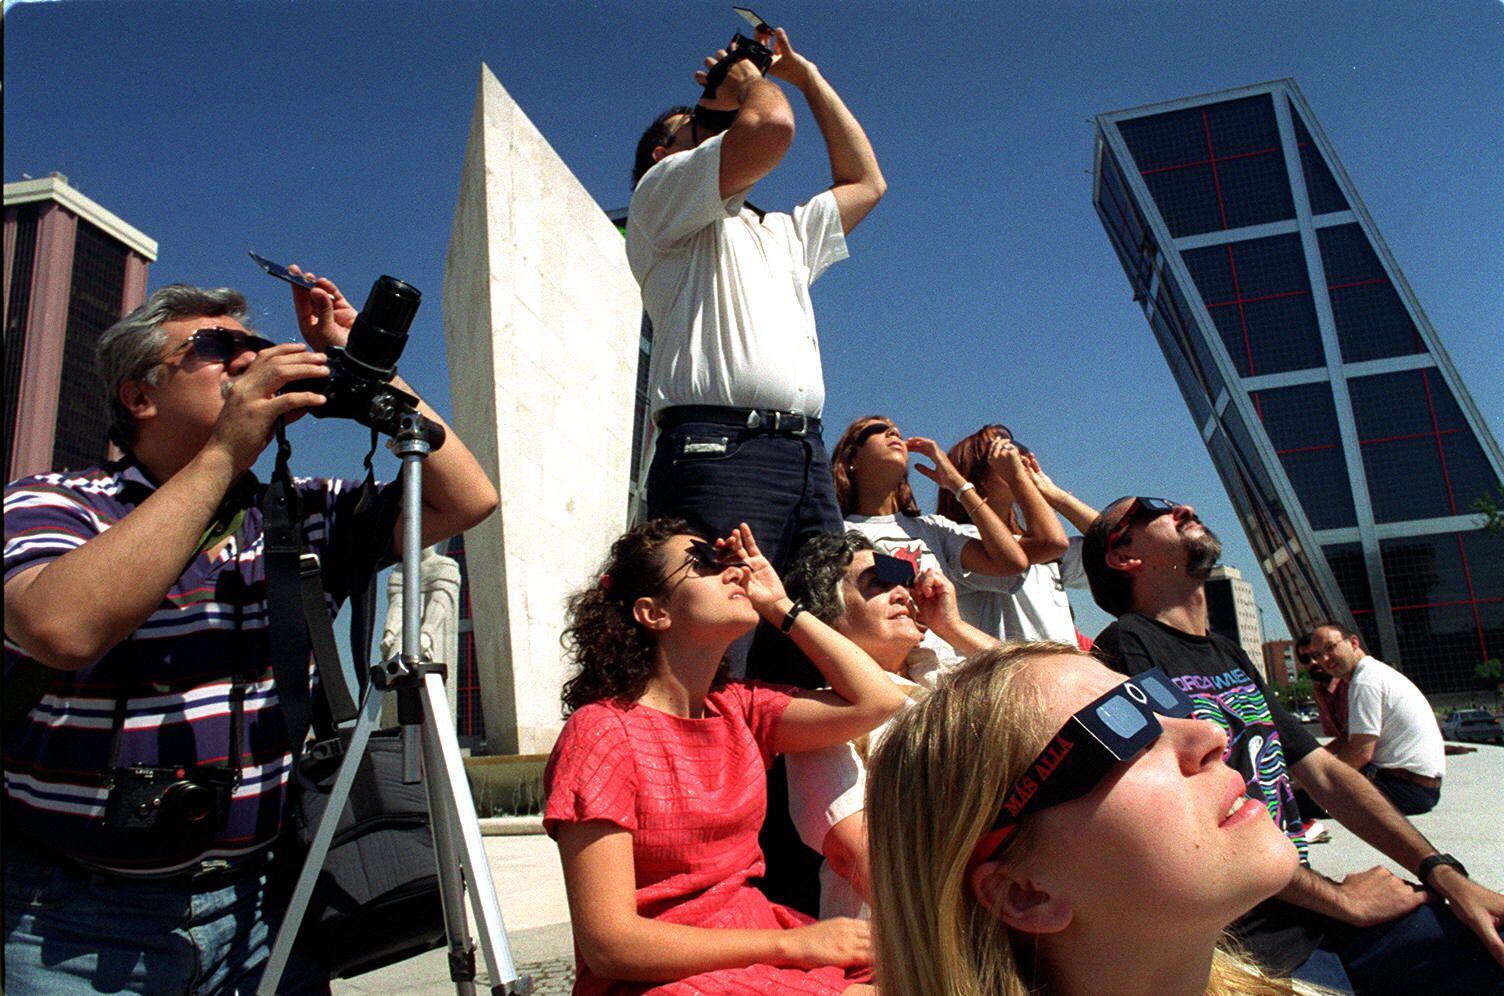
[(298, 616)]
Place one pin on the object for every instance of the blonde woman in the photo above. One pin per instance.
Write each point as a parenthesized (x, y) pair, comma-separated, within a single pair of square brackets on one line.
[(1091, 842)]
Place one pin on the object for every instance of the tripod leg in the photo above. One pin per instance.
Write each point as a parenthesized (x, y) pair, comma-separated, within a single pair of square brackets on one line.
[(459, 814), (451, 881), (292, 920)]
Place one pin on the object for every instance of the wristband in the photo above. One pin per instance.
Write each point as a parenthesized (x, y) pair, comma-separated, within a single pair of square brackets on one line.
[(968, 486), (1428, 865), (789, 617)]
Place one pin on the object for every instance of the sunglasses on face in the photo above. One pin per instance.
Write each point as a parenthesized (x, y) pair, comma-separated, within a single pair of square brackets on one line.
[(1110, 731), (703, 561), (1139, 510), (221, 345), (893, 571)]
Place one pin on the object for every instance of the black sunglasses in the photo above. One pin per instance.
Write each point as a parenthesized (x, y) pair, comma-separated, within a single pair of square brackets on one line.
[(893, 571), (1155, 507), (1113, 729), (221, 345), (704, 559)]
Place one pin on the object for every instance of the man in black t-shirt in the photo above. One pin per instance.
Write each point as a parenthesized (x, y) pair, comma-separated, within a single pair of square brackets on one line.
[(1147, 560)]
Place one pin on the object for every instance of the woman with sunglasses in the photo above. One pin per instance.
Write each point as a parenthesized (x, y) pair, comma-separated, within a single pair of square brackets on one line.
[(656, 788), (1094, 842), (870, 464), (1033, 605)]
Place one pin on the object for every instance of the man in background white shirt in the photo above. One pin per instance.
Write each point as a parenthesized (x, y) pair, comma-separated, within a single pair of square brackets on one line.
[(735, 382), (1392, 734)]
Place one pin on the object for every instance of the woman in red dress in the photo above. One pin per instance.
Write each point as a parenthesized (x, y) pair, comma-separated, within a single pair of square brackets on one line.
[(656, 787)]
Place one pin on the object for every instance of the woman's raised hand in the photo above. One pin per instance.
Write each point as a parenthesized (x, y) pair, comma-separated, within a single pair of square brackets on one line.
[(764, 587), (943, 473)]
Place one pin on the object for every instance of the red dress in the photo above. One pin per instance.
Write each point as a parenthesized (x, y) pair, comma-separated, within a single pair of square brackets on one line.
[(693, 793)]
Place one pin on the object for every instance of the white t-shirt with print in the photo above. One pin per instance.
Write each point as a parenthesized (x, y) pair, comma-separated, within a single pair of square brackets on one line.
[(927, 541), (1034, 606), (727, 288)]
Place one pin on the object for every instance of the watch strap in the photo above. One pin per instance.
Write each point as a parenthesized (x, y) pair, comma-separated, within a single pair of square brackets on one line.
[(789, 617), (1428, 865)]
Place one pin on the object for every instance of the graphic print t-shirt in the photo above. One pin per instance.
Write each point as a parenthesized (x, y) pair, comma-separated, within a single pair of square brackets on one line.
[(1263, 739)]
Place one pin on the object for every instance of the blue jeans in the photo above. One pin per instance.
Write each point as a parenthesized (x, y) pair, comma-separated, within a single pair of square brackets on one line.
[(1408, 797), (1428, 950), (72, 931), (718, 475)]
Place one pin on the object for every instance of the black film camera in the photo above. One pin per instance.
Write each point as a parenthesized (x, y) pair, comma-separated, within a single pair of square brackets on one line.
[(193, 800), (738, 48), (359, 383)]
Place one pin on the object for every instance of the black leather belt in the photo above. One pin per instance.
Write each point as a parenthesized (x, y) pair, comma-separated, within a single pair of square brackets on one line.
[(757, 419)]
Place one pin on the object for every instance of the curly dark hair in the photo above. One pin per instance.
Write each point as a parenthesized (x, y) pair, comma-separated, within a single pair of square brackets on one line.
[(613, 653), (814, 578), (658, 133)]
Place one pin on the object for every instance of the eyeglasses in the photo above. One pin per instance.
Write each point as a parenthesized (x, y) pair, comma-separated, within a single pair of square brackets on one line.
[(1111, 730), (1154, 506), (704, 560), (220, 345), (894, 571)]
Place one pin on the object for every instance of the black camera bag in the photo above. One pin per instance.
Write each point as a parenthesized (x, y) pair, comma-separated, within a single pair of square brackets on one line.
[(377, 898)]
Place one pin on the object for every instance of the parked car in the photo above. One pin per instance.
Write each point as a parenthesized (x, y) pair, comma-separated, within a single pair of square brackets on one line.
[(1476, 725), (1308, 716)]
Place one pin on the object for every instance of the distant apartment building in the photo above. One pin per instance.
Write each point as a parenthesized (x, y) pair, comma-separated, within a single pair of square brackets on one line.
[(1232, 611), (1346, 439), (72, 269)]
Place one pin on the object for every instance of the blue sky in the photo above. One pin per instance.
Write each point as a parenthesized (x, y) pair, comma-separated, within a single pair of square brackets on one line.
[(983, 288)]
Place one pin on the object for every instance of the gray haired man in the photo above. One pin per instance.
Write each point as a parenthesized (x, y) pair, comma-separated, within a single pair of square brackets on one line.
[(140, 586)]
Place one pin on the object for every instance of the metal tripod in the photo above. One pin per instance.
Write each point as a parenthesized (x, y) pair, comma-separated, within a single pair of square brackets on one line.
[(430, 752)]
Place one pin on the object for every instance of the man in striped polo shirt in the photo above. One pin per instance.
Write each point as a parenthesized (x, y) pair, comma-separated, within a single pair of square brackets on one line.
[(141, 584)]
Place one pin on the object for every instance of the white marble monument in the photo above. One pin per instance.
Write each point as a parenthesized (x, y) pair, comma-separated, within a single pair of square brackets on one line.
[(541, 318)]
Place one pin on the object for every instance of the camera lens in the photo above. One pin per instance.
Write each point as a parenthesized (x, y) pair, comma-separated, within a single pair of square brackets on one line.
[(380, 330), (189, 802)]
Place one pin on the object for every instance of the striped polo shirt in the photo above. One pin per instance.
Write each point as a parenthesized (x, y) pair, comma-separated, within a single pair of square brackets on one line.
[(177, 673)]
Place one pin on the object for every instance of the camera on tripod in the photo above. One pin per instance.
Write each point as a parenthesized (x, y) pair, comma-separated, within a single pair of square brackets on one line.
[(177, 800), (359, 383)]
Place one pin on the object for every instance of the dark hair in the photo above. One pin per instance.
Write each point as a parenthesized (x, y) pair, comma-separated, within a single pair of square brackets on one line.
[(840, 459), (1112, 589), (613, 653), (1343, 633), (970, 458), (658, 133), (814, 578)]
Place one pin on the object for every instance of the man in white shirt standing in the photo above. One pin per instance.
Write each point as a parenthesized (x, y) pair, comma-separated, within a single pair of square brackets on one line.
[(1392, 734), (735, 382)]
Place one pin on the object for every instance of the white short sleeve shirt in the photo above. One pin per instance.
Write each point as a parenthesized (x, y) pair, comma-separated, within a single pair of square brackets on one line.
[(727, 288), (1383, 703)]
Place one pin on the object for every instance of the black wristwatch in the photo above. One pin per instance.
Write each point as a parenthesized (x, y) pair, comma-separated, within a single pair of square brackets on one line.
[(789, 617), (1428, 865)]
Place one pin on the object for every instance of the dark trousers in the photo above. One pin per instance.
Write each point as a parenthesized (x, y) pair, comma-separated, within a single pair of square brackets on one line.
[(1408, 797), (717, 476), (1426, 951)]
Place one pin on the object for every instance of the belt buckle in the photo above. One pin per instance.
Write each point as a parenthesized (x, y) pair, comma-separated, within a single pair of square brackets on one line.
[(308, 564), (803, 423), (209, 867)]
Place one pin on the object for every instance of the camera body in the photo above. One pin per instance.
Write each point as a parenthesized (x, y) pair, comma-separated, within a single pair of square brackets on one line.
[(194, 800), (359, 383)]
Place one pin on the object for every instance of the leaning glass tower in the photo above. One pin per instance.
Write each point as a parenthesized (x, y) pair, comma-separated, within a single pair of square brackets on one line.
[(1342, 432)]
